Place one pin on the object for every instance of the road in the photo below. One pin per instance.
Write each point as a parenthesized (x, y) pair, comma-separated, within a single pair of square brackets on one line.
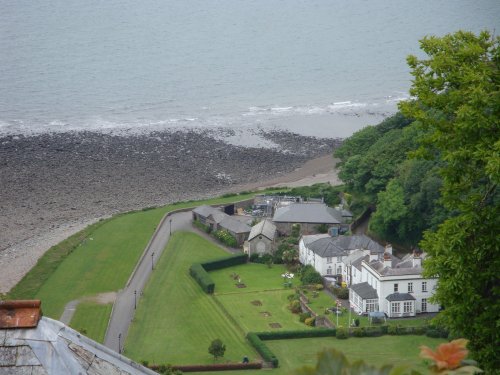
[(128, 298)]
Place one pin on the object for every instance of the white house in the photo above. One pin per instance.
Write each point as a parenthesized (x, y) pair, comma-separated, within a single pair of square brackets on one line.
[(392, 285), (326, 253)]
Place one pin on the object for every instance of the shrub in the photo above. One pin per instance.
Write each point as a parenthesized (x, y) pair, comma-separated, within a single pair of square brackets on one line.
[(201, 226), (392, 330), (202, 277), (295, 306), (299, 334), (310, 321), (342, 293), (225, 262), (431, 332), (310, 276), (303, 316), (262, 259), (356, 322), (226, 238), (359, 332), (342, 333), (319, 287), (373, 331)]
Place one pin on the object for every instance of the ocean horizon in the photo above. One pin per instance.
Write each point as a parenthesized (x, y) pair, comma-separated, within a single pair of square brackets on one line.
[(311, 67)]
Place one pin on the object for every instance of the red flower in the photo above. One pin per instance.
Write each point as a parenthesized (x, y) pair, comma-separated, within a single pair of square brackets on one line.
[(447, 356)]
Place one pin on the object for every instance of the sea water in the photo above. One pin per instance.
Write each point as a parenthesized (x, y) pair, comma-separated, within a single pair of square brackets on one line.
[(316, 67)]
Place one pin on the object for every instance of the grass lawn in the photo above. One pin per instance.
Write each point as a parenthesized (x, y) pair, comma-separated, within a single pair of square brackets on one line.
[(398, 350), (98, 259), (175, 320), (90, 319)]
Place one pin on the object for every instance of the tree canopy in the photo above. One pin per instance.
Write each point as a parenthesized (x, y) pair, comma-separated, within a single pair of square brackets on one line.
[(457, 105)]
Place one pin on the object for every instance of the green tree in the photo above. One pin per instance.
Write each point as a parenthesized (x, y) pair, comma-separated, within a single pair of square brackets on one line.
[(217, 349), (457, 105)]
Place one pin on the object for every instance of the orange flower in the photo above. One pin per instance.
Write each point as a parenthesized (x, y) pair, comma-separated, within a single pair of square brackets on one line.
[(447, 356)]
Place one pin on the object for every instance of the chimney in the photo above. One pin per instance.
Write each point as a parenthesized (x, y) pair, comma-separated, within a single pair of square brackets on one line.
[(20, 313), (373, 256), (387, 260), (417, 260), (388, 248)]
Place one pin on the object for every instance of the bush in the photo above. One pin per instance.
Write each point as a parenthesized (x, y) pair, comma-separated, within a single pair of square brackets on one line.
[(225, 262), (310, 321), (359, 332), (434, 333), (319, 287), (205, 228), (299, 334), (342, 293), (226, 238), (202, 277), (356, 322), (303, 316), (295, 306), (262, 349), (342, 333), (261, 259), (310, 276), (373, 331)]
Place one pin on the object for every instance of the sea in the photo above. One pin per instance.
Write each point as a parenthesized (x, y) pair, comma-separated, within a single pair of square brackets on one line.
[(315, 67)]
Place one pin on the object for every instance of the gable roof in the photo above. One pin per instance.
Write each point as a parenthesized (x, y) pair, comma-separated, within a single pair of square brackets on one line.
[(364, 290), (315, 213), (399, 267), (265, 228), (205, 210)]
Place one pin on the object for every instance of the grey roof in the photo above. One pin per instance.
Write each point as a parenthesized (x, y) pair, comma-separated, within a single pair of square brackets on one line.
[(353, 257), (310, 238), (206, 210), (234, 225), (400, 297), (399, 267), (315, 213), (54, 348), (265, 228), (327, 246), (346, 213), (364, 290)]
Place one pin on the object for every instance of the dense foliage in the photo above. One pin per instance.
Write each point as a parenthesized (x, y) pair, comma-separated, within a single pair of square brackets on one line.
[(458, 107), (309, 276), (437, 178), (329, 194)]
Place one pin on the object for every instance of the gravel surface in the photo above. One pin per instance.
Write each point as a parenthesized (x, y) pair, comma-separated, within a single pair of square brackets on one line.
[(55, 184)]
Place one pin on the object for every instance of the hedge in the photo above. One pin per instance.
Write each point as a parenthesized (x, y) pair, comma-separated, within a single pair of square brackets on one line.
[(219, 367), (225, 262), (202, 277), (199, 271), (262, 349), (302, 334)]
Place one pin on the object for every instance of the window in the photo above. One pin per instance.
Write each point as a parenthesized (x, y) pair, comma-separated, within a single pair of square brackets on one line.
[(329, 271), (339, 259), (339, 270), (410, 287), (424, 286), (329, 260), (407, 307), (370, 305), (424, 304), (395, 308), (396, 288)]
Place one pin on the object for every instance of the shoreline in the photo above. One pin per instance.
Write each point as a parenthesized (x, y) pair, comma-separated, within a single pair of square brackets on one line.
[(47, 198)]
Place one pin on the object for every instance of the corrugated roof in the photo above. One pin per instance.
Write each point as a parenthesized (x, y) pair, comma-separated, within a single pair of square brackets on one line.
[(265, 228), (20, 313), (364, 290), (400, 297), (315, 213)]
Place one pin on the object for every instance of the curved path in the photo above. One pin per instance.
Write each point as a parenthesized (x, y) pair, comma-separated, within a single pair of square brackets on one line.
[(128, 298)]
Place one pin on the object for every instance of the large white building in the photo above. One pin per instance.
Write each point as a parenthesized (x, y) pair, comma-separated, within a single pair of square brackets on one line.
[(392, 285), (326, 253)]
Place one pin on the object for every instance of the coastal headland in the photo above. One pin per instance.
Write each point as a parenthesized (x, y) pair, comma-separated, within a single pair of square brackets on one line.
[(55, 184)]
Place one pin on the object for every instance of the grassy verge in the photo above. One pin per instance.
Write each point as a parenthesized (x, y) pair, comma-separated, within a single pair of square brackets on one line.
[(175, 320), (98, 259), (91, 319), (398, 350)]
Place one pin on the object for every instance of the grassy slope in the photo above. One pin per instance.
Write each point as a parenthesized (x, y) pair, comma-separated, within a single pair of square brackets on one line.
[(176, 321), (80, 266), (90, 318)]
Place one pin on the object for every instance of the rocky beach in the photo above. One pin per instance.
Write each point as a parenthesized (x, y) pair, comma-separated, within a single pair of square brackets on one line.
[(55, 184)]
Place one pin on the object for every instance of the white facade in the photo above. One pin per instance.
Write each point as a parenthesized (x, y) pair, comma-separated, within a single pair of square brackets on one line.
[(326, 266), (400, 288)]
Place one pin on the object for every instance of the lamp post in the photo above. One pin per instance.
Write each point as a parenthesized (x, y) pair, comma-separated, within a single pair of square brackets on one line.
[(135, 299), (119, 343), (152, 261), (170, 226)]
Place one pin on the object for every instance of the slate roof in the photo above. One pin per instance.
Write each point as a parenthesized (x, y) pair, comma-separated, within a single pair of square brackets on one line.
[(399, 267), (315, 213), (400, 297), (53, 348), (364, 290), (353, 257), (234, 225), (205, 210), (265, 228), (327, 246)]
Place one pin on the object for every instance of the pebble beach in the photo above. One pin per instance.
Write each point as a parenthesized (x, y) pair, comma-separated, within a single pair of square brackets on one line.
[(55, 184)]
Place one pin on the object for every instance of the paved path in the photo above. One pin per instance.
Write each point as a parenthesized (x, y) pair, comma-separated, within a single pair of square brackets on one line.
[(128, 298)]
